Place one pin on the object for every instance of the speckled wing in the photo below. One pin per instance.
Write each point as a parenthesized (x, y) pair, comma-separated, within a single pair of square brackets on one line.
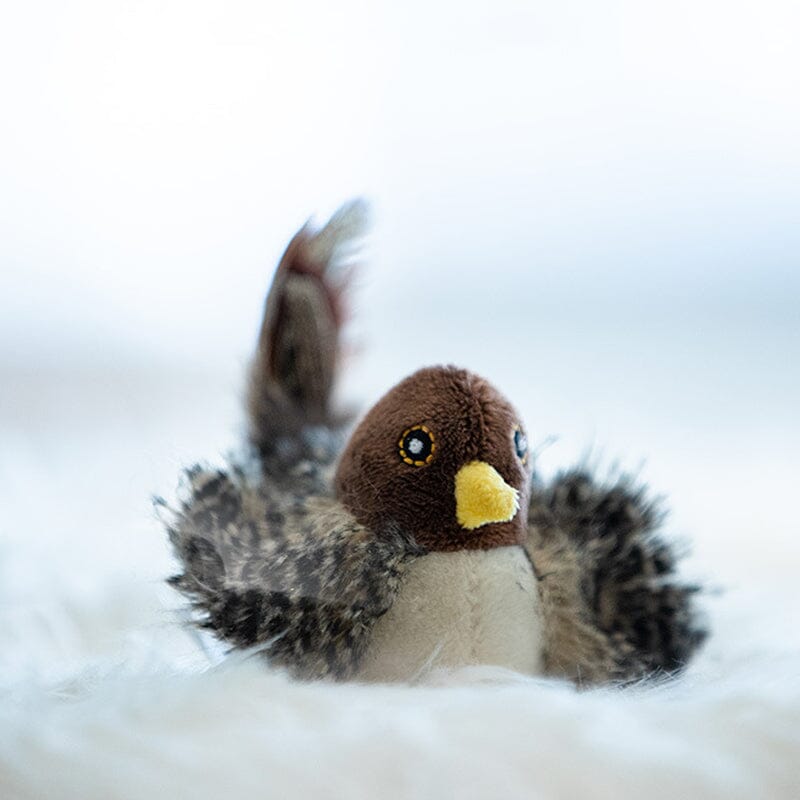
[(291, 573), (614, 608), (268, 558)]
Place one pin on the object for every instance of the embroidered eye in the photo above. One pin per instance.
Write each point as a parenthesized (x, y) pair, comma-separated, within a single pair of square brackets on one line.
[(417, 446), (521, 444)]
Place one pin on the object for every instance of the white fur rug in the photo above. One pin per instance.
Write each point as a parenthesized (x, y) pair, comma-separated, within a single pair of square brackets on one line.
[(103, 694)]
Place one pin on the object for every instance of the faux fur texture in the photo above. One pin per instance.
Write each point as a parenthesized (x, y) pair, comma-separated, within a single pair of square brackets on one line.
[(471, 421), (242, 731)]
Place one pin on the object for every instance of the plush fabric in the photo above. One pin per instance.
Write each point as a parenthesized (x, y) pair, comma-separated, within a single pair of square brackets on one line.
[(457, 609), (483, 497), (471, 421)]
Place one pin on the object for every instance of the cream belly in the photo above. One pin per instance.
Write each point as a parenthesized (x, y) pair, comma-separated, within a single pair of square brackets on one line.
[(458, 609)]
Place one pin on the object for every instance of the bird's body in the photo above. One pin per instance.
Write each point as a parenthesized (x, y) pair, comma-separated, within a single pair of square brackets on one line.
[(425, 541), (458, 609)]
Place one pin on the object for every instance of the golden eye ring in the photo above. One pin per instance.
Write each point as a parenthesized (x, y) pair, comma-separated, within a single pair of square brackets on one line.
[(417, 445)]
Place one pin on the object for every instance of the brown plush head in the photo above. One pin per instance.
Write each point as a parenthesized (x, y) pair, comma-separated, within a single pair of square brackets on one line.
[(444, 456)]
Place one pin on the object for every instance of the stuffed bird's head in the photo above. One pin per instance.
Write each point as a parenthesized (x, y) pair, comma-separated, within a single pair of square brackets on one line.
[(444, 456)]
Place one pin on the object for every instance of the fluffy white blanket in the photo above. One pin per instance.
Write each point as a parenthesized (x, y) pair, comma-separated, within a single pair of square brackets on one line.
[(149, 729)]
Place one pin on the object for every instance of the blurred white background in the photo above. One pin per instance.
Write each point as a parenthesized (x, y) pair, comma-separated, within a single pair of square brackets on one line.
[(595, 205)]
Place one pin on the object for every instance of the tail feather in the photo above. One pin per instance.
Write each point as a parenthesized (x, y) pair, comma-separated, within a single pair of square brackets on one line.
[(294, 369)]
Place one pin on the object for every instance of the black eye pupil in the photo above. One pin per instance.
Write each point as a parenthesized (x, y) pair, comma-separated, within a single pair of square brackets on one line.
[(520, 443), (417, 446)]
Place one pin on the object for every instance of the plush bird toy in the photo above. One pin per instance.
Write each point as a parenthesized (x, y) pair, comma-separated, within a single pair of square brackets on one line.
[(424, 541)]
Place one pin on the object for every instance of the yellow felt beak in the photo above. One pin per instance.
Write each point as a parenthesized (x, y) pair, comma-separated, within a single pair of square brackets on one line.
[(482, 496)]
